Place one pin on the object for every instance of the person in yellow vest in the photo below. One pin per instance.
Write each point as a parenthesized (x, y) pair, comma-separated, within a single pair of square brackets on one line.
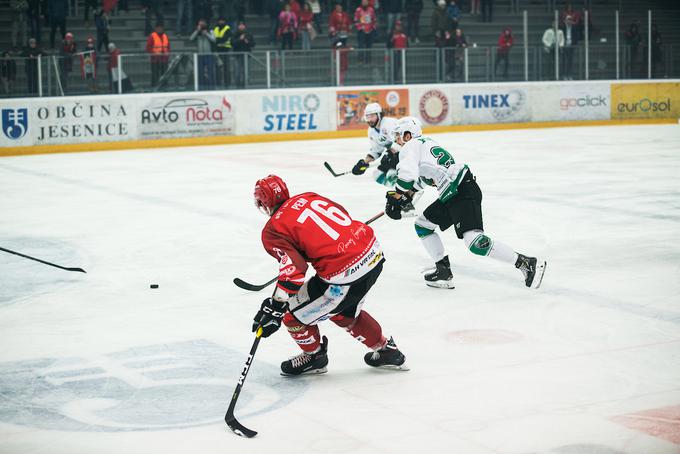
[(158, 45), (222, 33)]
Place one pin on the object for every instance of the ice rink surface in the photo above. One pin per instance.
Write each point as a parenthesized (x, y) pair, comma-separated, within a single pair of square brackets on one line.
[(101, 363)]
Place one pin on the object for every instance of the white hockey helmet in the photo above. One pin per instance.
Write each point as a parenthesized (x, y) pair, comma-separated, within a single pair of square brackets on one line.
[(372, 108), (409, 124)]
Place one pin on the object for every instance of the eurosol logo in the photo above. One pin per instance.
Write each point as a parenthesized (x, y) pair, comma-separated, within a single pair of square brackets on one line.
[(433, 106), (15, 123), (643, 105), (586, 101), (502, 105)]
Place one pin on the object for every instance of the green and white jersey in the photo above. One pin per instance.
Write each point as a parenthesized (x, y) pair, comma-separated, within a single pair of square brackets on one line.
[(381, 137), (424, 159)]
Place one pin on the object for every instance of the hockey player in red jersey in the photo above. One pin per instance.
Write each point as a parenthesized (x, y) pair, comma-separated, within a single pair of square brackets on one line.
[(309, 228)]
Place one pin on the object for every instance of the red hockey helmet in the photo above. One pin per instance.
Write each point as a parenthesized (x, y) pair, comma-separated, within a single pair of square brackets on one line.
[(270, 192)]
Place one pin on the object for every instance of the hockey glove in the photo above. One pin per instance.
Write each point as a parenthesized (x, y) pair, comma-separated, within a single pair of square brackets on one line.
[(388, 161), (360, 167), (269, 316), (395, 205)]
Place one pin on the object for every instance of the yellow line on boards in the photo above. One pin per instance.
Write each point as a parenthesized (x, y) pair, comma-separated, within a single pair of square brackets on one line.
[(315, 135)]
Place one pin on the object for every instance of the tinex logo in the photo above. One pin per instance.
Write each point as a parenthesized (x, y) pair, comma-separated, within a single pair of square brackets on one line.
[(155, 387)]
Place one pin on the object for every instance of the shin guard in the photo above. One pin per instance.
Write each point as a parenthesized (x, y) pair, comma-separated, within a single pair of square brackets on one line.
[(363, 328), (306, 336)]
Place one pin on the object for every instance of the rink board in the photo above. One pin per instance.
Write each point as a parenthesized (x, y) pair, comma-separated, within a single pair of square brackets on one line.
[(88, 123)]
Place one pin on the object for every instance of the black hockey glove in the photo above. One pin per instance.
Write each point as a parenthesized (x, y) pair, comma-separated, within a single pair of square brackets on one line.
[(388, 161), (269, 316), (360, 167), (395, 205)]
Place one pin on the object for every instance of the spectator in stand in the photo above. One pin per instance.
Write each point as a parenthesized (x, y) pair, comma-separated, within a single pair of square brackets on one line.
[(57, 10), (307, 31), (413, 9), (393, 8), (441, 25), (89, 5), (550, 44), (151, 7), (316, 10), (206, 61), (88, 65), (339, 26), (274, 7), (32, 52), (158, 45), (572, 18), (634, 42), (109, 7), (34, 13), (101, 22), (115, 74), (242, 43), (487, 10), (571, 40), (8, 73), (66, 53), (288, 25), (222, 34), (185, 16), (657, 53), (458, 43), (505, 43), (398, 41), (19, 10), (295, 8), (366, 23), (453, 12)]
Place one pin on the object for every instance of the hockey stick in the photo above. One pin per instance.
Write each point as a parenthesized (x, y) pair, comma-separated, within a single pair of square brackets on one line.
[(229, 418), (256, 288), (80, 270), (330, 169)]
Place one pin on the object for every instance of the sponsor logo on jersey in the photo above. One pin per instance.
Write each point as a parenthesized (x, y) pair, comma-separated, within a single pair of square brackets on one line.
[(585, 101), (15, 123), (645, 105), (290, 112), (433, 106)]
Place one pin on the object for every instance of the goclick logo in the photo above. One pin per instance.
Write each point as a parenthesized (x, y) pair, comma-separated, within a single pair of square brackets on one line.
[(645, 105), (586, 101)]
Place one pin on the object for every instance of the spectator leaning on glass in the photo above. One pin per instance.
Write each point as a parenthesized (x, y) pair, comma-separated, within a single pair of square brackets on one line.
[(158, 45), (32, 52), (550, 43), (8, 73), (206, 61), (88, 65), (571, 38), (366, 23), (115, 73), (242, 44), (505, 42)]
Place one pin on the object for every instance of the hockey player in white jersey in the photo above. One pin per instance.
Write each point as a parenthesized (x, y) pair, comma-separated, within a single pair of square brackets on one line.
[(381, 140), (459, 205)]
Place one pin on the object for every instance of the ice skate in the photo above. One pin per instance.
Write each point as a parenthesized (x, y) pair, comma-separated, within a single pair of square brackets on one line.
[(532, 269), (307, 363), (388, 357), (441, 277)]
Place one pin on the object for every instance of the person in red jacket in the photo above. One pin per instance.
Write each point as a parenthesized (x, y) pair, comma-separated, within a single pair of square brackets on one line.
[(158, 45), (366, 23), (505, 42), (339, 25), (309, 228), (398, 41)]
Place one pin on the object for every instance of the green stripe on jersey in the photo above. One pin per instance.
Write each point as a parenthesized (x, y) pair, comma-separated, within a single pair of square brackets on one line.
[(448, 193), (405, 185)]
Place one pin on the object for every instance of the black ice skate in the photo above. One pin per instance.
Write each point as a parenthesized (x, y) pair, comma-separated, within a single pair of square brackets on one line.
[(388, 357), (307, 363), (532, 268), (441, 277)]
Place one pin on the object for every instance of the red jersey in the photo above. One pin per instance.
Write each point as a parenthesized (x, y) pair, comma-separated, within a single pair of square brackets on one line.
[(311, 228)]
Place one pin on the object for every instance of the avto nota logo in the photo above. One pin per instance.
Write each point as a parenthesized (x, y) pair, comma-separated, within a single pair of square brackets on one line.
[(155, 387), (15, 123)]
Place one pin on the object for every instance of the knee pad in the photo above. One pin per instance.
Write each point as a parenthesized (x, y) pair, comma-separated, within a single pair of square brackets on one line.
[(480, 245)]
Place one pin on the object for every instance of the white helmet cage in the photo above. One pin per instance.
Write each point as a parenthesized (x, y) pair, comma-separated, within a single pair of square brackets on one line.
[(409, 124)]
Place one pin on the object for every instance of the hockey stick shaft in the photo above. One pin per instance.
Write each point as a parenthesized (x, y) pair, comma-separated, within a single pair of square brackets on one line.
[(333, 172), (229, 417), (80, 270), (256, 288)]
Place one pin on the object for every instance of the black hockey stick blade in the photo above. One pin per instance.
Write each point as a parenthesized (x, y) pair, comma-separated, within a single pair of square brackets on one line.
[(235, 426), (79, 270), (253, 287), (330, 169)]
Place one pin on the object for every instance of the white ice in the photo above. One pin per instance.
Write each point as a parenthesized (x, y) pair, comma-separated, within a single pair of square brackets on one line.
[(99, 362)]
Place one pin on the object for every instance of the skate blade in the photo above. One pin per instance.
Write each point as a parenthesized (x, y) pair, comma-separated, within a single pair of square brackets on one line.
[(540, 271), (323, 370), (440, 284), (404, 367)]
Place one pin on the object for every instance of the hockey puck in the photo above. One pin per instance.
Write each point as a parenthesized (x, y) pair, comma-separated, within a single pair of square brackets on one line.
[(153, 286)]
